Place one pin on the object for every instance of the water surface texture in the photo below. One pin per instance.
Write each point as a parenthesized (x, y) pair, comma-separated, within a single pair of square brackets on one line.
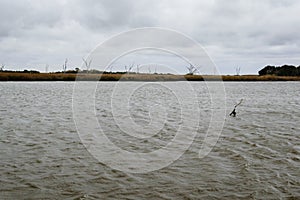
[(257, 155)]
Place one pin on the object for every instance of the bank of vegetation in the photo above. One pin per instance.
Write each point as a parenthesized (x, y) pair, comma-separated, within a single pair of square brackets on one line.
[(16, 76), (268, 73)]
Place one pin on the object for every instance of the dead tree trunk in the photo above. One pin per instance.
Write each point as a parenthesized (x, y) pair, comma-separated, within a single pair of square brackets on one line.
[(137, 69), (87, 64), (65, 65), (238, 70)]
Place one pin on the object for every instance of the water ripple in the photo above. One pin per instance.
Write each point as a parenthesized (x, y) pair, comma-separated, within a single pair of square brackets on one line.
[(256, 157)]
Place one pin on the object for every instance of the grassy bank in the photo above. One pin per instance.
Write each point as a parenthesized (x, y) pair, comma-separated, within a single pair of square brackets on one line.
[(4, 76)]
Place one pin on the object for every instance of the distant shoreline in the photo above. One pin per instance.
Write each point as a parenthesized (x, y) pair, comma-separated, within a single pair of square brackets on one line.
[(4, 76)]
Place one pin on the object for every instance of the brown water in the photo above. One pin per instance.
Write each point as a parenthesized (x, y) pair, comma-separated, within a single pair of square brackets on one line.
[(257, 155)]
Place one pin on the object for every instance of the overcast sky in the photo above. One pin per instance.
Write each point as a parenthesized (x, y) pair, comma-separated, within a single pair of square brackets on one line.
[(245, 34)]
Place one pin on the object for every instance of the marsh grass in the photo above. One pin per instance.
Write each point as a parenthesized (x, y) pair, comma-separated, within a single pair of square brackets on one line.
[(4, 76)]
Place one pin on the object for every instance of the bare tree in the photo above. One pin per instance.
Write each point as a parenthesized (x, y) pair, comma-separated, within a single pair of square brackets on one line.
[(46, 68), (87, 63), (65, 65), (2, 67), (238, 71), (149, 70), (131, 67), (138, 69), (192, 69)]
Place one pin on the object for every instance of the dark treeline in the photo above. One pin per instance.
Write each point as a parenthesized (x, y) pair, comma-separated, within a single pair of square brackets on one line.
[(24, 71), (285, 70), (92, 71)]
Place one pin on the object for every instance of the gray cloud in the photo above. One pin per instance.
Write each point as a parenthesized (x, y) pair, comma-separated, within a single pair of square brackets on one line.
[(249, 34)]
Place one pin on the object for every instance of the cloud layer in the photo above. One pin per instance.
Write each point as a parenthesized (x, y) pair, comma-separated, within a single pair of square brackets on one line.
[(248, 34)]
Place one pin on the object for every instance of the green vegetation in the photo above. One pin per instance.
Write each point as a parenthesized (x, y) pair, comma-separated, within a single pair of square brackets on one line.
[(285, 70)]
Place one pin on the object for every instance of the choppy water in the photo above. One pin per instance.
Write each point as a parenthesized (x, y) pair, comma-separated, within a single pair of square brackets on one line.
[(257, 155)]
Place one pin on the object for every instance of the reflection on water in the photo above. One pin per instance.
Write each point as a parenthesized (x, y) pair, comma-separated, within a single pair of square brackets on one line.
[(257, 155)]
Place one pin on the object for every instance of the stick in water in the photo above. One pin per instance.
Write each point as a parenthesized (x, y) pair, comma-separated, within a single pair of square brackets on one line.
[(233, 113)]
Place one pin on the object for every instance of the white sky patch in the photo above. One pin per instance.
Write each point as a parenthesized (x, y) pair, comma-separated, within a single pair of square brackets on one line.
[(235, 33)]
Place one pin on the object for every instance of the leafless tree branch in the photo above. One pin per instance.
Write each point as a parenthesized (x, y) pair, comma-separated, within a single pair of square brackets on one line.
[(87, 63), (191, 69)]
